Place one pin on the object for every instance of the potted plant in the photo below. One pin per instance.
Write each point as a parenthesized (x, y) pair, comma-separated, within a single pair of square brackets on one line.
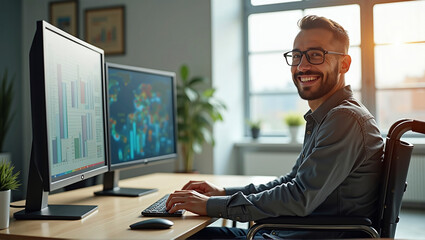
[(255, 127), (197, 111), (8, 182), (294, 121)]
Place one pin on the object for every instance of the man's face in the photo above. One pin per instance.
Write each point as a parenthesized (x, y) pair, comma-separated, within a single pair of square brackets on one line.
[(316, 81)]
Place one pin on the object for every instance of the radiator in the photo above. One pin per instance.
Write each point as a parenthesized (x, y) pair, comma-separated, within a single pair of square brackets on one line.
[(416, 180), (268, 163), (276, 164)]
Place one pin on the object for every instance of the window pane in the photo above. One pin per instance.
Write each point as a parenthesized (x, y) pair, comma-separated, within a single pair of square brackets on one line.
[(396, 104), (353, 76), (273, 31), (400, 65), (399, 22), (271, 109), (266, 2), (269, 73), (348, 16)]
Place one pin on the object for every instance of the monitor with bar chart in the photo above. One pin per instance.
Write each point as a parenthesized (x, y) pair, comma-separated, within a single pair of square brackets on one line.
[(69, 125)]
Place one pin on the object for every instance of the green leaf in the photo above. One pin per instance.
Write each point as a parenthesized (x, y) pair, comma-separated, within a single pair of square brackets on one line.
[(204, 119), (196, 80), (217, 104), (208, 92), (184, 72), (207, 136), (191, 94), (197, 147)]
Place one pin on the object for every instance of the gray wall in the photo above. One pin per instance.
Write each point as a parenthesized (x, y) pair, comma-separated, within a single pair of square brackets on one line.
[(160, 34), (10, 52)]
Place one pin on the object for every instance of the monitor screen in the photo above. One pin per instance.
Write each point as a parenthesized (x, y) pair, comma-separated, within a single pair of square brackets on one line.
[(141, 115), (74, 107), (141, 118), (68, 108)]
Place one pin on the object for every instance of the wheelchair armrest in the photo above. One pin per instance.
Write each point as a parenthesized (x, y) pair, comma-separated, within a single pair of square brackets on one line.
[(317, 220)]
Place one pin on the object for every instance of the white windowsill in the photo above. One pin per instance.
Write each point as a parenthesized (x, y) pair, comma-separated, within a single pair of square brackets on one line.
[(283, 143)]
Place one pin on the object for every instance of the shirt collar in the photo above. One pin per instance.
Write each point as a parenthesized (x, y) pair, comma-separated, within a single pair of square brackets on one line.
[(333, 101)]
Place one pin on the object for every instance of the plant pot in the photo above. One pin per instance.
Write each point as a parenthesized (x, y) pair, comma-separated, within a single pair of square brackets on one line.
[(4, 208), (293, 133), (255, 133)]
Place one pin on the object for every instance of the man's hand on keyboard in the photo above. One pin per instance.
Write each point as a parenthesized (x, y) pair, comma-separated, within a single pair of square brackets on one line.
[(190, 200), (205, 188)]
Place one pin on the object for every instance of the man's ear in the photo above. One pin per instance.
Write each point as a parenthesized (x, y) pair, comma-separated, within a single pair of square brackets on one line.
[(345, 64)]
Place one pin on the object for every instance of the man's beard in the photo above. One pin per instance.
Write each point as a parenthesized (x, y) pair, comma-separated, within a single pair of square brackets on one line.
[(326, 86)]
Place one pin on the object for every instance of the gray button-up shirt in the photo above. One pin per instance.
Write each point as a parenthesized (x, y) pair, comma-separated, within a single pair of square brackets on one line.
[(337, 172)]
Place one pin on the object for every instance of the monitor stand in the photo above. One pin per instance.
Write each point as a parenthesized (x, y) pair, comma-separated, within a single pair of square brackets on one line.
[(111, 188), (57, 212), (36, 206)]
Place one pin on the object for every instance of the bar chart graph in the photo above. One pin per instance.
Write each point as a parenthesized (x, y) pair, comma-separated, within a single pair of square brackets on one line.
[(140, 115), (74, 118)]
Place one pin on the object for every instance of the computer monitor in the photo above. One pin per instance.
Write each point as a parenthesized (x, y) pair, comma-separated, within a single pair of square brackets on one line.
[(68, 99), (142, 122)]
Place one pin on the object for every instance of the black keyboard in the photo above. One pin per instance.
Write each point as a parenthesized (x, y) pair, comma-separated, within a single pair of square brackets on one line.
[(157, 209)]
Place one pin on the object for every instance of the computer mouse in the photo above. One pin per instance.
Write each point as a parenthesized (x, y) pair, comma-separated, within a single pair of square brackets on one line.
[(154, 223)]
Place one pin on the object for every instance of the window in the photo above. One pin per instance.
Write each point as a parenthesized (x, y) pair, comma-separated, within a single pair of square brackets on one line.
[(270, 81), (392, 85), (399, 61)]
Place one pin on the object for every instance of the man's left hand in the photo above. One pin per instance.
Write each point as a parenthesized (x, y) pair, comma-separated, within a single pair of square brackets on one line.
[(190, 200)]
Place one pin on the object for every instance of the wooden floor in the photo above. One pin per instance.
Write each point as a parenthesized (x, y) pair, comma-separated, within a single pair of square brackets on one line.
[(411, 225)]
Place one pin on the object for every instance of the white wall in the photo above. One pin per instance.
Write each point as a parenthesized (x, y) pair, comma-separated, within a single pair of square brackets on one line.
[(228, 79)]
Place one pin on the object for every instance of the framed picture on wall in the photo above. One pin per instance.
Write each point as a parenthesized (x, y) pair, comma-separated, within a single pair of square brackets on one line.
[(104, 28), (64, 15)]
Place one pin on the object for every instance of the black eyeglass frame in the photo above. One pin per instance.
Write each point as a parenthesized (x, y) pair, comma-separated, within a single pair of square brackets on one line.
[(308, 57)]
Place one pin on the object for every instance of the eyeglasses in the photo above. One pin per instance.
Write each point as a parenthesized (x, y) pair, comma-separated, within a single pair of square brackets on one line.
[(313, 56)]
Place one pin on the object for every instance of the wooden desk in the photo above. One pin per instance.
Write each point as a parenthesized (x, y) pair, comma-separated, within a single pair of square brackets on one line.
[(115, 214)]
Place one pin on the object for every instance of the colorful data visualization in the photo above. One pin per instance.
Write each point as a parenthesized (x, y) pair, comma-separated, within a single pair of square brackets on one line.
[(141, 115)]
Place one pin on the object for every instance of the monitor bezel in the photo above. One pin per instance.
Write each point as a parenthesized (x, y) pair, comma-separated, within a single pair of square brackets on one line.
[(39, 111), (150, 160)]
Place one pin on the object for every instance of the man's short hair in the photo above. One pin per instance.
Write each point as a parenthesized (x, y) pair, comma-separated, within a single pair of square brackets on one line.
[(313, 21)]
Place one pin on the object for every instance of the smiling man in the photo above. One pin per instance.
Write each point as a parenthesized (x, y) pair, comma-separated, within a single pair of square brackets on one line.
[(338, 169)]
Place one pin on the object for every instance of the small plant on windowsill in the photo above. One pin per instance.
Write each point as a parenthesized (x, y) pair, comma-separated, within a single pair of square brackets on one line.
[(294, 121), (255, 127)]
